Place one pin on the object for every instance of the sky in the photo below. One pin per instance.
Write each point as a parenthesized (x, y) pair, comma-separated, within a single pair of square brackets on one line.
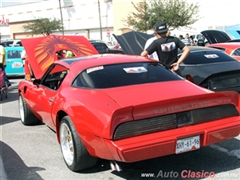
[(5, 3)]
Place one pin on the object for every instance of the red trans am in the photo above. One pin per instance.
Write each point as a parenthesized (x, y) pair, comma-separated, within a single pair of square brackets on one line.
[(122, 108)]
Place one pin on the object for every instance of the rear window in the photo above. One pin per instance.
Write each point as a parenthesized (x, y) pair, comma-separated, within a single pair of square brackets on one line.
[(13, 54), (206, 57), (123, 75)]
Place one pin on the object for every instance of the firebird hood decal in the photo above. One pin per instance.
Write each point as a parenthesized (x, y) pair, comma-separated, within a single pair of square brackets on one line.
[(133, 42), (41, 51)]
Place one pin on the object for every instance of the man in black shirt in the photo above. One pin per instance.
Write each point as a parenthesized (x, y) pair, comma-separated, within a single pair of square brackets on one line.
[(167, 48)]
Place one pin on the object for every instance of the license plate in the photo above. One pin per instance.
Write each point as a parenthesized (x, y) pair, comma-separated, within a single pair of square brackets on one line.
[(187, 144), (17, 65)]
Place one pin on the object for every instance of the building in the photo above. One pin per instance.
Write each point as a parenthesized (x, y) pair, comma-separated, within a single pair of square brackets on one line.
[(98, 19), (91, 18)]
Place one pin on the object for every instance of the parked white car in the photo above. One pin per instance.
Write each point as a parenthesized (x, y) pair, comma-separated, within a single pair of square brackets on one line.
[(197, 37)]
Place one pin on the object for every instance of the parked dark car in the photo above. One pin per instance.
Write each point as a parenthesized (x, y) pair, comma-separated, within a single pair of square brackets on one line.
[(2, 44), (212, 69), (206, 67), (6, 43), (11, 43), (102, 48)]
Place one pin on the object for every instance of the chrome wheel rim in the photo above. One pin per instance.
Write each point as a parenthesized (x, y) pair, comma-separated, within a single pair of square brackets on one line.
[(66, 142), (21, 108)]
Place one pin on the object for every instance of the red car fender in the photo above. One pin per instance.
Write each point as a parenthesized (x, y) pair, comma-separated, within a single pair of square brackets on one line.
[(89, 123)]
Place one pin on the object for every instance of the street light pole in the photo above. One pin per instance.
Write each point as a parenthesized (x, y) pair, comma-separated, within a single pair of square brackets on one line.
[(100, 21), (60, 7)]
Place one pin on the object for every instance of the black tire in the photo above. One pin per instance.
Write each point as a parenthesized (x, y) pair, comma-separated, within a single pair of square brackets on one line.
[(26, 115), (3, 94), (6, 94), (73, 150)]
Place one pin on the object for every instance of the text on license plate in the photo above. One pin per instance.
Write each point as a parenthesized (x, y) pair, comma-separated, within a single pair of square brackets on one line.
[(17, 65), (188, 144)]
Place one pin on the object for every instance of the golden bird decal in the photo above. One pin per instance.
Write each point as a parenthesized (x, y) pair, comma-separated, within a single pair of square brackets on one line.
[(45, 51)]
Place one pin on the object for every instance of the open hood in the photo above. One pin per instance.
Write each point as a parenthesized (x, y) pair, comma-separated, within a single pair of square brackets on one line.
[(41, 51), (133, 42), (215, 36)]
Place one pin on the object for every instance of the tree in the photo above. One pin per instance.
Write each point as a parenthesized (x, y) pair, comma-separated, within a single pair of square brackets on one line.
[(44, 26), (176, 13), (139, 20)]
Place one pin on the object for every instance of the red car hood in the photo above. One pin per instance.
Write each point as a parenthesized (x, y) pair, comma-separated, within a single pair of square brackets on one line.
[(41, 51)]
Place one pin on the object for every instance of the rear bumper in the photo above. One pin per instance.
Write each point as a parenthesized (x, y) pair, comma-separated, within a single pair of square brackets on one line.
[(164, 143)]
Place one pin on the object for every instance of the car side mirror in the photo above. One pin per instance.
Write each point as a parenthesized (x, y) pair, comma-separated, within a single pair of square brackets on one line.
[(36, 81)]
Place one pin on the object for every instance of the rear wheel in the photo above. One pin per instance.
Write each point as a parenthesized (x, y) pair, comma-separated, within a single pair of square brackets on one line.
[(74, 152), (26, 115)]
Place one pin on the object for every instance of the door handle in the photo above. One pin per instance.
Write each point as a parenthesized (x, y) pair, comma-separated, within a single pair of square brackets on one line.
[(50, 100)]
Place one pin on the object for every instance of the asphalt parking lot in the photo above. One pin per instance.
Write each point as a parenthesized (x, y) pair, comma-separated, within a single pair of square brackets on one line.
[(32, 152)]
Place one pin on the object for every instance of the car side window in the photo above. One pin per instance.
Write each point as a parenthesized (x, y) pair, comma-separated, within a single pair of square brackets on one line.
[(236, 52), (83, 80), (55, 77)]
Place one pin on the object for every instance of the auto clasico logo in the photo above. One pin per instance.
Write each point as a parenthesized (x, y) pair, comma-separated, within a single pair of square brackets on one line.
[(186, 174)]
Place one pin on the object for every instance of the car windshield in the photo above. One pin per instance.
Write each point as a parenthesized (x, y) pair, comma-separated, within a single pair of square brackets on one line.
[(199, 36), (123, 75), (101, 47), (205, 57)]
